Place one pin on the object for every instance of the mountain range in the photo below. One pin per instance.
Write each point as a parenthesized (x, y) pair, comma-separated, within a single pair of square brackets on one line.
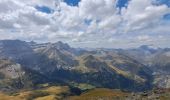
[(25, 65)]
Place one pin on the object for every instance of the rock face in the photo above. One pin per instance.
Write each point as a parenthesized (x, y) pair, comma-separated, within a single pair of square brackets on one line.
[(13, 76), (31, 64), (10, 70)]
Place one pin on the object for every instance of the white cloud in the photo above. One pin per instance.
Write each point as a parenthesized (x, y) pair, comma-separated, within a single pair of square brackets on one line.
[(144, 38), (97, 9), (142, 14), (105, 26)]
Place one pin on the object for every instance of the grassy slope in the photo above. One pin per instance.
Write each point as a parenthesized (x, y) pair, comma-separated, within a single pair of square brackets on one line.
[(63, 93), (100, 93), (49, 93)]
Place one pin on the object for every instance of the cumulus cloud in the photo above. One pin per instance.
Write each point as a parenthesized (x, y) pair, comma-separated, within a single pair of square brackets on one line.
[(141, 14), (92, 23)]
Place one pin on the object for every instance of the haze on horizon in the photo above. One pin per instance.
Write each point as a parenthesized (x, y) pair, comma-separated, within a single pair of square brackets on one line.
[(87, 23)]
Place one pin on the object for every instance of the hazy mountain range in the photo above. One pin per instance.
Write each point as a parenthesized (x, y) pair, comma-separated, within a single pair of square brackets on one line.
[(28, 64)]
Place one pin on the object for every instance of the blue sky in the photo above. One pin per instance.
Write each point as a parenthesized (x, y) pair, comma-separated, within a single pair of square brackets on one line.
[(72, 2), (87, 23), (44, 9), (120, 4), (49, 10), (167, 2)]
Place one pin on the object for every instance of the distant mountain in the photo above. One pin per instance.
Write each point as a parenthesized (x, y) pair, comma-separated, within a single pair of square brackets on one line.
[(58, 63), (157, 59), (161, 60), (143, 54)]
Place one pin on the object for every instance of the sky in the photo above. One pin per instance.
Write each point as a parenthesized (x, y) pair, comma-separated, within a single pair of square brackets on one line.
[(87, 23)]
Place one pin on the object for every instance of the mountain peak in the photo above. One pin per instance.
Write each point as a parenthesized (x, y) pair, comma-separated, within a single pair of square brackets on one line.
[(145, 47), (89, 57), (62, 46)]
